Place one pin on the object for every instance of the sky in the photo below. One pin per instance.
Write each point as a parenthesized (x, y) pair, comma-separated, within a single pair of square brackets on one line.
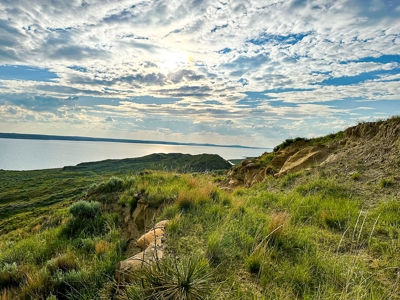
[(242, 72)]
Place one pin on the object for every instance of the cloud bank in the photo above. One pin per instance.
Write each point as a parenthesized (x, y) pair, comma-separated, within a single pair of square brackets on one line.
[(229, 72)]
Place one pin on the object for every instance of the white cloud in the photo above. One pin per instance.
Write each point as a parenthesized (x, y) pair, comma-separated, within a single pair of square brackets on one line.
[(198, 51)]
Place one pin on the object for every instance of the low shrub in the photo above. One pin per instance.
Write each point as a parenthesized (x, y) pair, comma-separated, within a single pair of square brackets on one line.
[(130, 198), (287, 143), (10, 275), (267, 157), (85, 210), (114, 184), (63, 263), (87, 220)]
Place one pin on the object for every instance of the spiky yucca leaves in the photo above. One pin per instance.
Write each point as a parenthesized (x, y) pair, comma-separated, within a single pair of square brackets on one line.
[(169, 279)]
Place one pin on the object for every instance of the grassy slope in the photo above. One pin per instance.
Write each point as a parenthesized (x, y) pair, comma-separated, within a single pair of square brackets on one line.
[(29, 194), (304, 236), (159, 161)]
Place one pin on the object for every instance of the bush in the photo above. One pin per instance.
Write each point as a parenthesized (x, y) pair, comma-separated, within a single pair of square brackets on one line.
[(63, 263), (87, 220), (267, 157), (85, 210), (287, 143), (130, 198), (10, 275), (114, 184)]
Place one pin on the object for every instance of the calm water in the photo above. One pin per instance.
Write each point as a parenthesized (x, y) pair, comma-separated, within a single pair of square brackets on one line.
[(42, 154)]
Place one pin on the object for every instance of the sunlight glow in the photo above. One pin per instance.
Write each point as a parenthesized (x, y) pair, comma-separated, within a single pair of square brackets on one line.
[(171, 61)]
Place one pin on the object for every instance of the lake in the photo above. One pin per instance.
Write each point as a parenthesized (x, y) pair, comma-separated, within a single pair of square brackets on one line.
[(21, 154)]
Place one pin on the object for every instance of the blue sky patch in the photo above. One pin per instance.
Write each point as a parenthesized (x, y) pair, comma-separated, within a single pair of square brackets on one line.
[(254, 99), (77, 68), (243, 81), (93, 101), (219, 27), (16, 72), (364, 107), (225, 50), (154, 100), (350, 80), (212, 102), (384, 59), (257, 95), (277, 39), (286, 90), (281, 103), (59, 29)]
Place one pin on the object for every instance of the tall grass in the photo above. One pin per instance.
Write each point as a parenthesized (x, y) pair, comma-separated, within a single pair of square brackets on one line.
[(299, 237)]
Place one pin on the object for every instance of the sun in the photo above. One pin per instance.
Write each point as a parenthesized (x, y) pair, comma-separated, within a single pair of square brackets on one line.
[(171, 61)]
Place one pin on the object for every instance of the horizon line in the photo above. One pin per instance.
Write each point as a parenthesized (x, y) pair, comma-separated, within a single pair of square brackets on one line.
[(34, 136)]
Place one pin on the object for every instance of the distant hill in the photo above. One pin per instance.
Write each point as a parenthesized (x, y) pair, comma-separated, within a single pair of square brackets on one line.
[(92, 139), (159, 161)]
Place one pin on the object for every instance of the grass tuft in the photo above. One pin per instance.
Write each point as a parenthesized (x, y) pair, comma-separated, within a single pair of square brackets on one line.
[(386, 182), (185, 200)]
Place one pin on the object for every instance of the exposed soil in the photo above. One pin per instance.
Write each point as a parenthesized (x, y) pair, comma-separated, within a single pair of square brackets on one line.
[(368, 157)]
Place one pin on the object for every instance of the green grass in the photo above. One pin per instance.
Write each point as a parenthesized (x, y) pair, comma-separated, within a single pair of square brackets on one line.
[(301, 236), (386, 182), (324, 140), (356, 175), (188, 278)]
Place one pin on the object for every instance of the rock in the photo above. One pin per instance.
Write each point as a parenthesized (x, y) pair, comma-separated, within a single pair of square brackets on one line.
[(245, 162), (126, 268), (152, 246), (233, 182), (251, 166), (304, 158), (153, 236), (161, 224), (143, 214)]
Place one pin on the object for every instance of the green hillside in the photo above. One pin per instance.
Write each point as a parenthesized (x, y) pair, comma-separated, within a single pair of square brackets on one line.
[(160, 161), (317, 233)]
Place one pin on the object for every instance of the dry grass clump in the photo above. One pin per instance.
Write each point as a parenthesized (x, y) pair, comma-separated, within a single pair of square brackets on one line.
[(193, 182), (101, 247), (185, 200), (36, 228), (205, 193), (277, 224), (64, 263)]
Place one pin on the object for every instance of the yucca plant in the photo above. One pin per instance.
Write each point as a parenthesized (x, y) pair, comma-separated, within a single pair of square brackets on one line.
[(170, 279)]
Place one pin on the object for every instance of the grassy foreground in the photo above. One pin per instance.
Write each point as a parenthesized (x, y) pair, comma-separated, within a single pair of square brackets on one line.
[(303, 236)]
